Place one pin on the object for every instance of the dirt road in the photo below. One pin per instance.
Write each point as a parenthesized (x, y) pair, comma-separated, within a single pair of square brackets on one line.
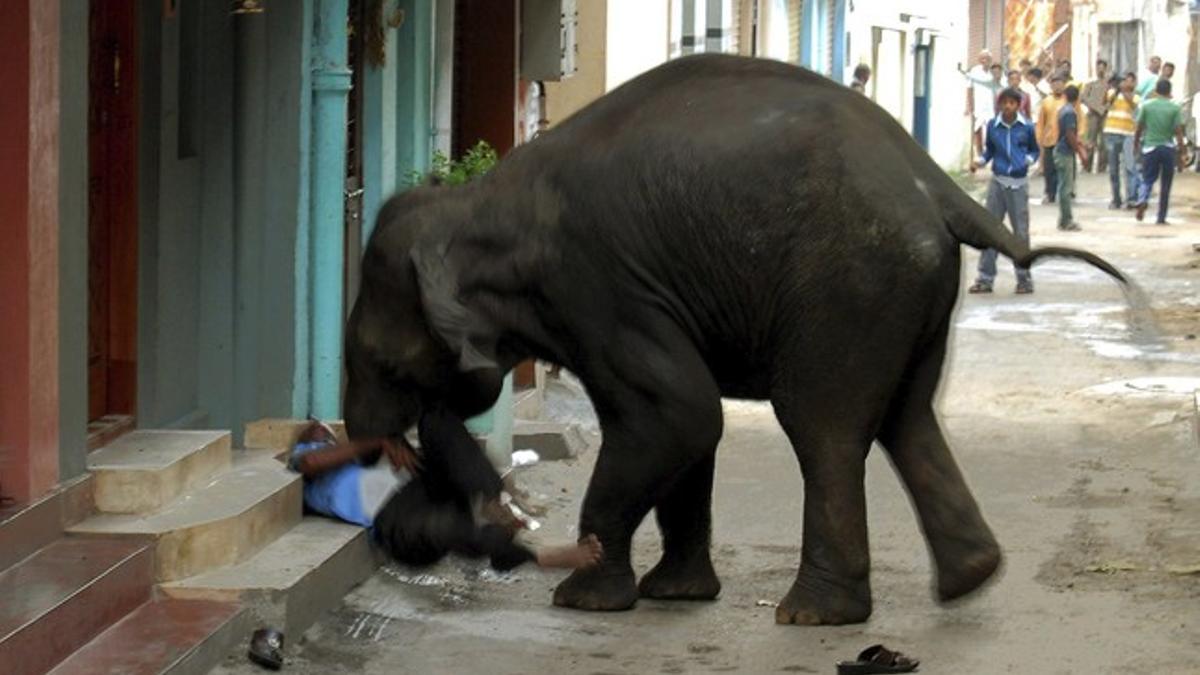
[(1077, 440)]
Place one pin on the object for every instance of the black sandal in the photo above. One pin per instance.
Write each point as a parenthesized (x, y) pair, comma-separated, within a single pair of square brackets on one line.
[(878, 659), (980, 287)]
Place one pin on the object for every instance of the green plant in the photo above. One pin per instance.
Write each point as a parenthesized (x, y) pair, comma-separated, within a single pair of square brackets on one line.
[(443, 170)]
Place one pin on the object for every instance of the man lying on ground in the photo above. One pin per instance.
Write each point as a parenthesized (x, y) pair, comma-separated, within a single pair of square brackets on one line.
[(422, 506)]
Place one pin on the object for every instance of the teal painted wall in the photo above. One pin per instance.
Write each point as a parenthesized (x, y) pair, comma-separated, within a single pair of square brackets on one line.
[(414, 89), (73, 239), (222, 198)]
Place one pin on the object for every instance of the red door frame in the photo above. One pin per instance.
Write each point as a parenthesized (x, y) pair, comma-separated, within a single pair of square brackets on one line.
[(112, 209), (29, 405)]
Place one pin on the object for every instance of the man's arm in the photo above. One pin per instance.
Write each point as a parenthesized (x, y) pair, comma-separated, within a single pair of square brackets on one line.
[(1073, 140), (316, 462), (988, 151)]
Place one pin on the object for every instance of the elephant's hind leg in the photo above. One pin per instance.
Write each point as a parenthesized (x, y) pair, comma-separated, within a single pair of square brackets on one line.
[(684, 514), (965, 552)]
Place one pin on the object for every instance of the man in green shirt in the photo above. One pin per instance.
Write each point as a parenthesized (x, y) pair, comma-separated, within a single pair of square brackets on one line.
[(1159, 133)]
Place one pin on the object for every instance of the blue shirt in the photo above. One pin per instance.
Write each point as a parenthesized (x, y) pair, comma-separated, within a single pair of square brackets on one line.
[(351, 492), (1011, 148), (1067, 121)]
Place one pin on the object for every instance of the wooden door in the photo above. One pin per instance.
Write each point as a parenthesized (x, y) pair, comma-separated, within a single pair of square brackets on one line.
[(112, 209)]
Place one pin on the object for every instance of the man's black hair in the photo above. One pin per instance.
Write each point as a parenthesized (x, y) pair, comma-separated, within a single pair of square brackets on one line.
[(1163, 88), (1130, 75), (994, 66), (862, 69), (1101, 62), (1072, 93), (1036, 72), (1012, 72), (1170, 65), (1011, 93)]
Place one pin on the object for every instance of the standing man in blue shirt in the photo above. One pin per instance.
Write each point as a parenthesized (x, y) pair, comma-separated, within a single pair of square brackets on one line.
[(1011, 147)]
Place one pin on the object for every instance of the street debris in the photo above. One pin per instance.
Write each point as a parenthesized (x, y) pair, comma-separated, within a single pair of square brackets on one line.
[(524, 458), (1112, 567), (766, 603), (1184, 570)]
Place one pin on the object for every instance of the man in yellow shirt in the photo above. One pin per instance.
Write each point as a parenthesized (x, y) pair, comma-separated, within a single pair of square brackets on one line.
[(1047, 132), (1119, 128)]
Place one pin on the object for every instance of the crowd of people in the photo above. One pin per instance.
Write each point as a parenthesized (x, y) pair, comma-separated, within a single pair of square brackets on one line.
[(1033, 118)]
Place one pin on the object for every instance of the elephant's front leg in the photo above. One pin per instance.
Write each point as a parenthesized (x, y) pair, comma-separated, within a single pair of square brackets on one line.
[(660, 414), (684, 514)]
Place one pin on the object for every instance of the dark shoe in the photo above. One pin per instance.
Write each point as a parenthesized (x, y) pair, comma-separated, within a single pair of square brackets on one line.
[(1070, 227), (1141, 211), (1131, 205), (266, 648), (1161, 222), (1114, 206), (878, 659), (980, 287), (1024, 288)]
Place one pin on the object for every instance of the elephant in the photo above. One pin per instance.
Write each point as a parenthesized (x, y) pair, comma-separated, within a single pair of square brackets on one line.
[(719, 226)]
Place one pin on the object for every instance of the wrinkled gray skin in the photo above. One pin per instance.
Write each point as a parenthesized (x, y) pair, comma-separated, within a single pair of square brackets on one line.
[(717, 227)]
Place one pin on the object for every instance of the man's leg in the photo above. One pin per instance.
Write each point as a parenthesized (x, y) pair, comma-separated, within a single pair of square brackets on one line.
[(1129, 158), (1114, 143), (1050, 171), (987, 259), (1017, 205), (1167, 162), (1066, 183)]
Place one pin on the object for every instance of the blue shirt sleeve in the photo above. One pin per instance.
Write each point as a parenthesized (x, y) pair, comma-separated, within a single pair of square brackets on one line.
[(988, 152), (1033, 150)]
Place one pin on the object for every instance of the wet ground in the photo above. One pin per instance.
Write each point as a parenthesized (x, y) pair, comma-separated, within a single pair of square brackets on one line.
[(1075, 434)]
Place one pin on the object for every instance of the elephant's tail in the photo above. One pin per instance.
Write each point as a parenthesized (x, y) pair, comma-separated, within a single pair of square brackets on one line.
[(973, 225)]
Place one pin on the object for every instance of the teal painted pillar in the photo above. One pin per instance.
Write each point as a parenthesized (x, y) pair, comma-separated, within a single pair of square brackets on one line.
[(331, 81), (414, 89)]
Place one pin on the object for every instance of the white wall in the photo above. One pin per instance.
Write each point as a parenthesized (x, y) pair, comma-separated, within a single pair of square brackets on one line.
[(638, 37), (949, 129)]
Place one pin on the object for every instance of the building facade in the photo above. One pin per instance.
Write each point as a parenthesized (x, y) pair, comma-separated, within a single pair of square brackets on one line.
[(189, 186)]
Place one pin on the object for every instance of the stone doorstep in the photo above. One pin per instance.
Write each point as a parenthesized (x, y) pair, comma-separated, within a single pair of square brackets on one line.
[(294, 579), (224, 521), (163, 636), (551, 440), (145, 470), (61, 597), (281, 433), (25, 528)]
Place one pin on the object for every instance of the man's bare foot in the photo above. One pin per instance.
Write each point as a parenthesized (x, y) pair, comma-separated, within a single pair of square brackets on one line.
[(586, 553)]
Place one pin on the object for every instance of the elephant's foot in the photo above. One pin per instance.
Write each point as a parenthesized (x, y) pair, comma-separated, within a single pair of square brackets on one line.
[(816, 600), (597, 589), (966, 568), (693, 579)]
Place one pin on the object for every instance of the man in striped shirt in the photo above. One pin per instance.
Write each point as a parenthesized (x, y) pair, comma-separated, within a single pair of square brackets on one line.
[(1119, 128)]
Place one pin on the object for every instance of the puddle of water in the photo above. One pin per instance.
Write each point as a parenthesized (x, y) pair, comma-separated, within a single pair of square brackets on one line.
[(1102, 327)]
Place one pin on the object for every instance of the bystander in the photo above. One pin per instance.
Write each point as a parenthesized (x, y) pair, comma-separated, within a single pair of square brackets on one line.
[(1159, 141)]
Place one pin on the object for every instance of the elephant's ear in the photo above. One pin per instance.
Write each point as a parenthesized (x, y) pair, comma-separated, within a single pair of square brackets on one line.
[(466, 332)]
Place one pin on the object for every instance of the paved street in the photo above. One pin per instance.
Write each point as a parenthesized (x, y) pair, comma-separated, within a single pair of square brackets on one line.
[(1077, 440)]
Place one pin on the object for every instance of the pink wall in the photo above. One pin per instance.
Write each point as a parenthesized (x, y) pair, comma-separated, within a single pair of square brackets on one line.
[(29, 232)]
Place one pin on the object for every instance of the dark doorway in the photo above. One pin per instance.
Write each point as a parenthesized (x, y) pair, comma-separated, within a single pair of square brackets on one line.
[(486, 91), (112, 213), (354, 149)]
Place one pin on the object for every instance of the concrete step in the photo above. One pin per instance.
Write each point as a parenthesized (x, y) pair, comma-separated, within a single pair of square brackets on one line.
[(144, 470), (295, 578), (58, 599), (25, 528), (224, 521), (179, 637), (275, 433)]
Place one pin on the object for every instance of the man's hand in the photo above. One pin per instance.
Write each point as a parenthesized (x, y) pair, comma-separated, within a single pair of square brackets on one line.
[(977, 165), (402, 455)]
